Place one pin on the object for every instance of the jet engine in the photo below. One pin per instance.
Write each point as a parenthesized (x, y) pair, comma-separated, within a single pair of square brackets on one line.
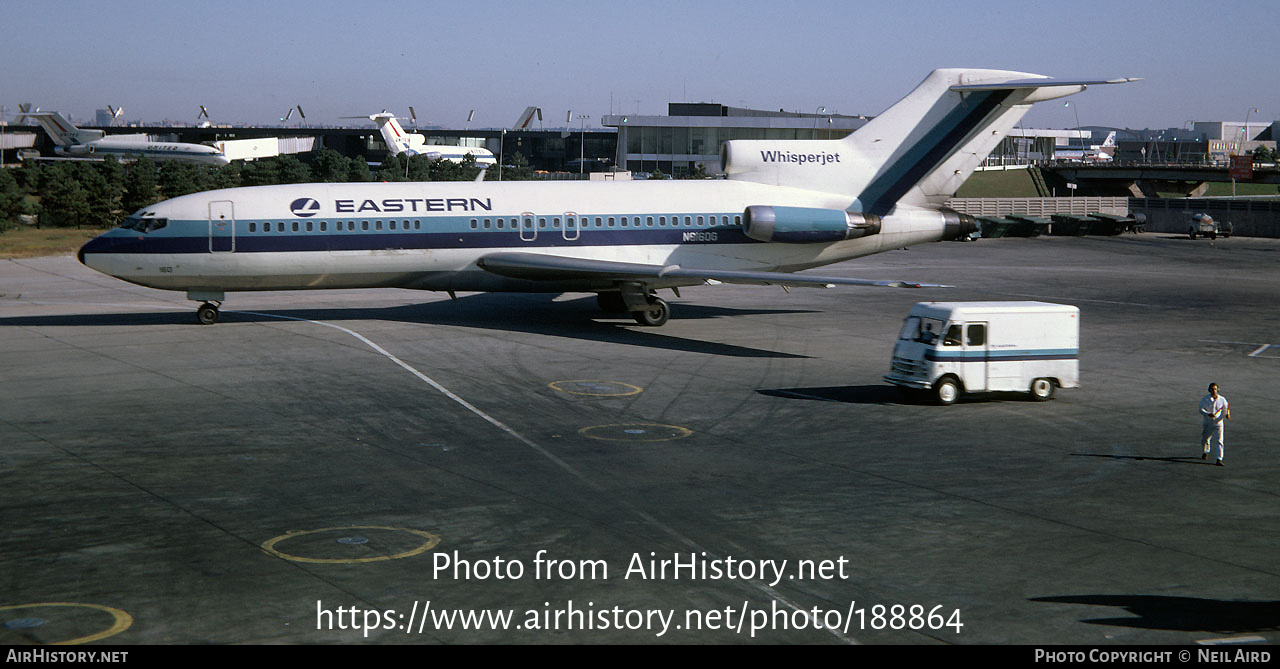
[(806, 225)]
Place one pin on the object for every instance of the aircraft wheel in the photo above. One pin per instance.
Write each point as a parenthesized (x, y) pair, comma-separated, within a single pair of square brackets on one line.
[(207, 314), (611, 302), (946, 390), (1041, 390), (657, 313)]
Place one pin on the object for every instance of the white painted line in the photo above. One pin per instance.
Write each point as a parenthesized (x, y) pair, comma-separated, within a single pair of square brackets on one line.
[(1260, 349), (768, 591)]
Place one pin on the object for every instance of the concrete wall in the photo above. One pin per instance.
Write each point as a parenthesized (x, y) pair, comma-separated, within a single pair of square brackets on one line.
[(1249, 217)]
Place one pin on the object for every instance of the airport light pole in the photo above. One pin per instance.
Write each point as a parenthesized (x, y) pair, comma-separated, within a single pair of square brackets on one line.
[(502, 145), (1246, 128), (1079, 134)]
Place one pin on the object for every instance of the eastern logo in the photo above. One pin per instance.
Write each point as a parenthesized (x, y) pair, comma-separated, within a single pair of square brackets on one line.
[(304, 207)]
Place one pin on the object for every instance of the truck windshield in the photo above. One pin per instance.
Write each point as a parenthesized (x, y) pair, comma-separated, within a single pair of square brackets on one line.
[(921, 329)]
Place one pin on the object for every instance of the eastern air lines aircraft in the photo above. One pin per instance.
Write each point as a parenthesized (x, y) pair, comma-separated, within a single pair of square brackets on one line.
[(785, 206)]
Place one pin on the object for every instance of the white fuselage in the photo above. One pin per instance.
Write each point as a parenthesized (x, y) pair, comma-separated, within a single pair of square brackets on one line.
[(429, 235), (130, 148)]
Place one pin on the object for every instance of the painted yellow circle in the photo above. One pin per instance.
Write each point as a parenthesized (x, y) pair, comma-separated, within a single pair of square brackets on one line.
[(121, 620), (635, 432), (596, 388), (429, 542)]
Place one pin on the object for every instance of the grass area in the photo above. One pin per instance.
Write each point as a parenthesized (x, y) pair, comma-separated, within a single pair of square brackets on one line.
[(1223, 189), (28, 242), (1007, 183)]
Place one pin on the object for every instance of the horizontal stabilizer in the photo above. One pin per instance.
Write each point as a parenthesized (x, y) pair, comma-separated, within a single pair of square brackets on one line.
[(1041, 83), (540, 267)]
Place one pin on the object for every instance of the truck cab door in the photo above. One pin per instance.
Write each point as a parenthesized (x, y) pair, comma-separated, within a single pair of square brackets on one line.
[(975, 356)]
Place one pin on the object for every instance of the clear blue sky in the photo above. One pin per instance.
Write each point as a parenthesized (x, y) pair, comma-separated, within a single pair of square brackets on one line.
[(249, 62)]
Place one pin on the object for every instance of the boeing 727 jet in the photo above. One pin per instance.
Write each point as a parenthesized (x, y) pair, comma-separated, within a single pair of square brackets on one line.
[(75, 142), (785, 206)]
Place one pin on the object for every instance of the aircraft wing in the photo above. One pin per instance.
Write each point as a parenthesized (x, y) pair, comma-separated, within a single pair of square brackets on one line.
[(542, 267)]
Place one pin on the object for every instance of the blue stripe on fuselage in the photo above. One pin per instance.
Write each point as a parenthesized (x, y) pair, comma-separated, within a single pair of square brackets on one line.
[(445, 233)]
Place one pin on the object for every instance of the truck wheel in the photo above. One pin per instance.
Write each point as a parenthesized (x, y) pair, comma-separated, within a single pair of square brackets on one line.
[(946, 390), (1041, 390)]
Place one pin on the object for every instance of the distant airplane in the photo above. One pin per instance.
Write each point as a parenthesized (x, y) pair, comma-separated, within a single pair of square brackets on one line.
[(1096, 153), (526, 118), (95, 145), (786, 205), (398, 141)]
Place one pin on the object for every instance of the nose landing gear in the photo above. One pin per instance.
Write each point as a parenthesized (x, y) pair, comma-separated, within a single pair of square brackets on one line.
[(207, 313)]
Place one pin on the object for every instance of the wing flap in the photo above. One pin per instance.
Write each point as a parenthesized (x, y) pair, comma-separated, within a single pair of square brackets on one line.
[(541, 267)]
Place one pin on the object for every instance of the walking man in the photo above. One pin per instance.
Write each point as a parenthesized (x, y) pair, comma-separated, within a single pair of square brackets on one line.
[(1215, 410)]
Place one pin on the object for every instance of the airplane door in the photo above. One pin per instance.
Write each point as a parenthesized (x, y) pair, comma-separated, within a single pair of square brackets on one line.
[(222, 226), (976, 372), (528, 227), (571, 229)]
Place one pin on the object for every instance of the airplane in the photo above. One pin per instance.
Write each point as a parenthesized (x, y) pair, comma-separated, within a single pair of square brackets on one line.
[(94, 144), (1096, 153), (786, 205), (398, 141)]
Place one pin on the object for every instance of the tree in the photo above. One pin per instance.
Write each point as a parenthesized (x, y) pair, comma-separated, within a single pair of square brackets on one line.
[(290, 170), (358, 170), (329, 166), (658, 175), (698, 172), (392, 169), (516, 170), (63, 201), (139, 185), (13, 199), (181, 178)]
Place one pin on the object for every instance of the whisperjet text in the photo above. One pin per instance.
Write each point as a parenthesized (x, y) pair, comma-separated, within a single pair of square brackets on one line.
[(413, 204), (799, 158), (680, 566)]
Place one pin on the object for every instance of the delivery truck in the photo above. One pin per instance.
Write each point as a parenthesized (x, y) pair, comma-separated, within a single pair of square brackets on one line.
[(948, 349)]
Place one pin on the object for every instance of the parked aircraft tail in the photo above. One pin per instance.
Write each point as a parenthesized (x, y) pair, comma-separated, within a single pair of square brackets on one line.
[(64, 132), (918, 152)]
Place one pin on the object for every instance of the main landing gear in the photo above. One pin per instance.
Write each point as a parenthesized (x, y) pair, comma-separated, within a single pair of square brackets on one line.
[(656, 315), (645, 307)]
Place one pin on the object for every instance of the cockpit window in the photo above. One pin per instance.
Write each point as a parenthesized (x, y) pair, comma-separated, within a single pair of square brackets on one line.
[(144, 225)]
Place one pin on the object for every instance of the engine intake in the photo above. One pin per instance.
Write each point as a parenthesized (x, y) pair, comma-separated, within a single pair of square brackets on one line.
[(806, 225)]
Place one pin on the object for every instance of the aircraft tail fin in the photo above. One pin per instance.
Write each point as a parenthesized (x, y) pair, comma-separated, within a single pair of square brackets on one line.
[(62, 131), (525, 121), (397, 140), (918, 152), (927, 145)]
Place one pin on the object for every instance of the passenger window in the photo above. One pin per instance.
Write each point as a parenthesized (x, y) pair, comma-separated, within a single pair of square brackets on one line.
[(324, 226), (280, 226), (253, 227), (393, 225), (310, 226), (977, 335), (364, 225), (295, 226)]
